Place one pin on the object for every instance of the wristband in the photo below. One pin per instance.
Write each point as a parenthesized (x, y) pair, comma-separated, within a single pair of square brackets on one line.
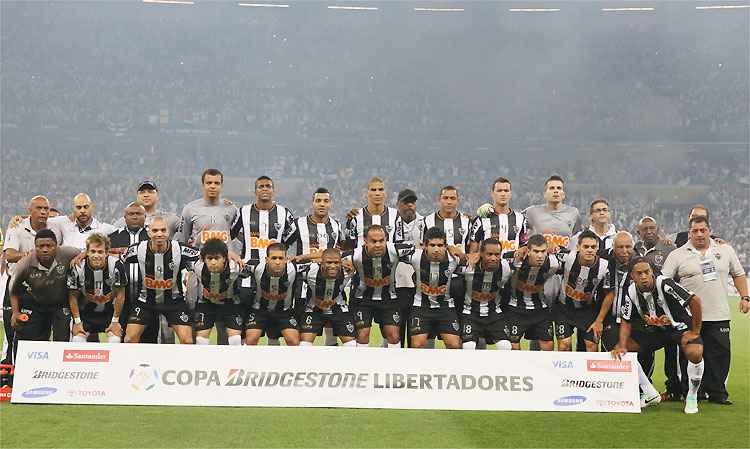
[(745, 298), (77, 320), (115, 319)]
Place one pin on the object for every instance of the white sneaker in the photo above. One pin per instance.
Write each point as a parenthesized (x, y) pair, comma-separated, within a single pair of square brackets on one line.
[(648, 400), (691, 404)]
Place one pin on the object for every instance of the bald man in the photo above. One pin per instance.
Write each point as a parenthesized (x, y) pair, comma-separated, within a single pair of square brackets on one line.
[(607, 323), (19, 242), (75, 232)]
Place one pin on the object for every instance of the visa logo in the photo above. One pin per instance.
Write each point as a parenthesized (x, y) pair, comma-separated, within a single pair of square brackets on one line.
[(563, 364), (37, 355)]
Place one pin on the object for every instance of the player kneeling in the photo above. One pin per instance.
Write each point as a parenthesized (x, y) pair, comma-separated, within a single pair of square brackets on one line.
[(96, 289), (218, 293), (273, 306), (326, 301), (658, 311)]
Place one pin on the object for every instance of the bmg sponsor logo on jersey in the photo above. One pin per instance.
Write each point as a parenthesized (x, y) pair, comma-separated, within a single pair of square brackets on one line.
[(613, 366), (40, 392), (567, 401)]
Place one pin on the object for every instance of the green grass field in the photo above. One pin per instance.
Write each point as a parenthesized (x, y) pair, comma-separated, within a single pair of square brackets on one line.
[(126, 427)]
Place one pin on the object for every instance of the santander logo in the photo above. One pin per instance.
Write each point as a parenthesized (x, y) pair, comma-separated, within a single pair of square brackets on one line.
[(85, 355)]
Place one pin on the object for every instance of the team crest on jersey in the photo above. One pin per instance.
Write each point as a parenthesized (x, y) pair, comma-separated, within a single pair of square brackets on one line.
[(447, 273), (580, 281), (349, 327), (184, 317), (293, 321), (658, 259), (396, 317), (461, 231), (277, 226), (454, 324), (171, 265), (238, 320), (388, 228)]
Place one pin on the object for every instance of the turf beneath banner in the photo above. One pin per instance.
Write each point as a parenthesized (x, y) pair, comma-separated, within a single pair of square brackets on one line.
[(146, 427)]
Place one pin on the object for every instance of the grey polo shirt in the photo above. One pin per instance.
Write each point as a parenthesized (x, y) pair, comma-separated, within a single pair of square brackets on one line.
[(687, 265)]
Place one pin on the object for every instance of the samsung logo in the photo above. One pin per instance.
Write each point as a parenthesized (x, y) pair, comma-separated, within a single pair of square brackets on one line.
[(39, 392), (569, 400)]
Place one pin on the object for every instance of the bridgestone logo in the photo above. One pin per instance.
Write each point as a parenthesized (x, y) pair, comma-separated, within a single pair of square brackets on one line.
[(581, 383), (70, 375)]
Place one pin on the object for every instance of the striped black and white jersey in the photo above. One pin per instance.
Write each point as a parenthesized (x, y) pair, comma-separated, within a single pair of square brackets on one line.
[(432, 281), (161, 273), (527, 283), (375, 276), (620, 281), (97, 288), (124, 238), (311, 237), (258, 229), (509, 229), (582, 286), (663, 308), (323, 288), (483, 289), (218, 288), (274, 293), (389, 219), (457, 229)]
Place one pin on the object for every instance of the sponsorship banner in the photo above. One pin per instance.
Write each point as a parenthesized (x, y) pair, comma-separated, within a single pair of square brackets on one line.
[(267, 376)]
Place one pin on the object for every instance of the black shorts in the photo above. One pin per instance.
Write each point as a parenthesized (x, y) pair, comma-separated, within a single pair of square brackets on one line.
[(610, 334), (491, 328), (177, 313), (568, 319), (385, 313), (433, 321), (207, 314), (650, 341), (268, 319), (95, 322), (247, 297), (41, 317), (342, 323), (531, 324)]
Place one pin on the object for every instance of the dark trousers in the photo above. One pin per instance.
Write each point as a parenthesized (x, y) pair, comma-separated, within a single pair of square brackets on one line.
[(405, 297), (717, 355)]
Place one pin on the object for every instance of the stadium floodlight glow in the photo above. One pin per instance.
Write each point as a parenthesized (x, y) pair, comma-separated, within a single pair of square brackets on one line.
[(534, 9), (627, 9), (355, 8), (263, 5), (723, 7), (438, 9), (170, 2)]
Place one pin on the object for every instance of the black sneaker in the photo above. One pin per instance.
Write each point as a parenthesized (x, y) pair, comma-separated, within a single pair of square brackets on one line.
[(720, 401), (669, 396)]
